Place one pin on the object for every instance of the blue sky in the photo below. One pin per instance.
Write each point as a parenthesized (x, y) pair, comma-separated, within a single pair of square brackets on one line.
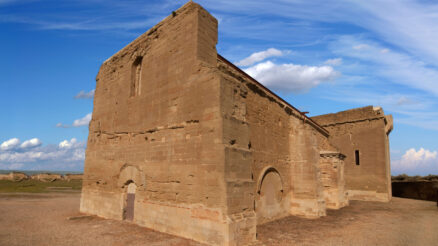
[(321, 56)]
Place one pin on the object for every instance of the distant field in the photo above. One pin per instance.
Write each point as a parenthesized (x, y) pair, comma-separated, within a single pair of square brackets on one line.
[(31, 172), (35, 186)]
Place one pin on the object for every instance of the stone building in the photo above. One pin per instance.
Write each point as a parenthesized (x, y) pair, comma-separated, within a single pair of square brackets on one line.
[(362, 134), (184, 142)]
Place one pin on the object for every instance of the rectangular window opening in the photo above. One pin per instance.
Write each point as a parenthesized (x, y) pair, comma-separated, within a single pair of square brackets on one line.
[(136, 77), (356, 154)]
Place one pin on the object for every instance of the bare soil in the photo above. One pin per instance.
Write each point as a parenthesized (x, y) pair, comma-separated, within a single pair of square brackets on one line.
[(53, 219)]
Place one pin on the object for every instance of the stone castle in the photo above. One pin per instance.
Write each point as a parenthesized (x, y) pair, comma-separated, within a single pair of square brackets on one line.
[(184, 142)]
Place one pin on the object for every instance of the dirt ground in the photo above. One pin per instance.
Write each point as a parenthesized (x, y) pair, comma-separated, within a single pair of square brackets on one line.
[(42, 219)]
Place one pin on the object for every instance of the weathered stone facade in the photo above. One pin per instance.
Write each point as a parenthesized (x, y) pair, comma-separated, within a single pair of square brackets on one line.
[(184, 142), (362, 135)]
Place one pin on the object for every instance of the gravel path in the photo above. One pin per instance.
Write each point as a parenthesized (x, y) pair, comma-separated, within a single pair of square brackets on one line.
[(42, 219)]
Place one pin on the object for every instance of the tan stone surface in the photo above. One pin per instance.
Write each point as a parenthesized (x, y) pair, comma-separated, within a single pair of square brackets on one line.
[(159, 125), (333, 180), (211, 151), (366, 130), (266, 134)]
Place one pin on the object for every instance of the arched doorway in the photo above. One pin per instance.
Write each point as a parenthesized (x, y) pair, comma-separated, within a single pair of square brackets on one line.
[(269, 196), (128, 212), (130, 180)]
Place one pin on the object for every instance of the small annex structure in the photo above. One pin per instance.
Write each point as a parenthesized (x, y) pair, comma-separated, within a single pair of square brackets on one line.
[(184, 142), (362, 134)]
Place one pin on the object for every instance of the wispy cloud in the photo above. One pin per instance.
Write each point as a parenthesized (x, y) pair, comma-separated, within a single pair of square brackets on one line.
[(409, 24), (4, 2), (397, 67), (85, 95), (361, 46), (93, 26), (86, 25), (333, 62), (410, 108), (259, 56), (398, 81), (102, 16), (77, 123)]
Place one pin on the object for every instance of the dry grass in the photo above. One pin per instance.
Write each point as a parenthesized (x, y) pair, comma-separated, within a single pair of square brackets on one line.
[(35, 186), (407, 178)]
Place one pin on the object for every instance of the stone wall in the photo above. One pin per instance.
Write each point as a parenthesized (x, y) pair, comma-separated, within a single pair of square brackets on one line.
[(157, 122), (333, 180), (273, 144), (362, 132), (211, 152)]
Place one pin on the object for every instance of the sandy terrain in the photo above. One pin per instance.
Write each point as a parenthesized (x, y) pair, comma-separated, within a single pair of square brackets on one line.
[(42, 219)]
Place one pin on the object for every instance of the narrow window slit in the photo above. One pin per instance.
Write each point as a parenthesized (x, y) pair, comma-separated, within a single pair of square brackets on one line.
[(356, 154)]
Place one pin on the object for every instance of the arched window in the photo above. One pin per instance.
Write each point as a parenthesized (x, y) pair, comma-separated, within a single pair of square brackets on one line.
[(136, 77)]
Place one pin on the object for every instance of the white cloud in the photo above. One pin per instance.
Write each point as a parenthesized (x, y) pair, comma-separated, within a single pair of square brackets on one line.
[(77, 123), (334, 62), (67, 155), (60, 125), (10, 144), (291, 77), (67, 144), (85, 95), (34, 142), (404, 100), (82, 121), (361, 46), (421, 162), (411, 156), (259, 56)]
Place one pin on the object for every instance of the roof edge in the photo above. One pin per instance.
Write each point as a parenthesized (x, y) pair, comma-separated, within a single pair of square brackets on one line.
[(305, 117)]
